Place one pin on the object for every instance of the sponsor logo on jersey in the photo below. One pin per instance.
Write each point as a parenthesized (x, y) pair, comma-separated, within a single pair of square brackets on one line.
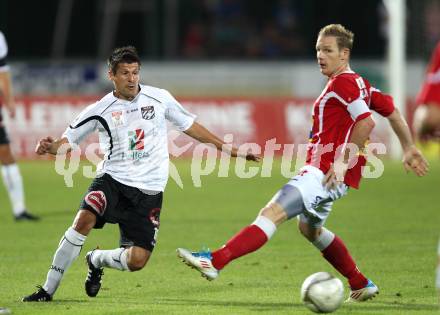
[(96, 199), (136, 140), (117, 118), (147, 112)]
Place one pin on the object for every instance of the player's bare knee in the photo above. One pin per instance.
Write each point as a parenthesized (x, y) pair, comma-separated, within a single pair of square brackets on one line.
[(136, 263), (84, 222), (311, 234), (430, 122), (137, 258), (426, 120), (6, 156), (274, 212)]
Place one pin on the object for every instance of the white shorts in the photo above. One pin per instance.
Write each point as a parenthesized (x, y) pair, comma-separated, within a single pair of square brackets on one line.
[(318, 200)]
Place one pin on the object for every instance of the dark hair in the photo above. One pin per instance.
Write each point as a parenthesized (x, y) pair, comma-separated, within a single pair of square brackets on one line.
[(344, 37), (126, 54)]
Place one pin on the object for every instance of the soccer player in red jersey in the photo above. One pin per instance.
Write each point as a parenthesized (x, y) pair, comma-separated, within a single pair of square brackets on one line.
[(427, 115), (341, 122)]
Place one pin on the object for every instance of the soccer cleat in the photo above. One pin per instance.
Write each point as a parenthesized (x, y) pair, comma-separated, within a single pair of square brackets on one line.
[(200, 261), (38, 296), (366, 293), (26, 216), (94, 275)]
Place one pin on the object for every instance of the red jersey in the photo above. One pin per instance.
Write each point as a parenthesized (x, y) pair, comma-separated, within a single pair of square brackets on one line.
[(430, 91), (382, 104), (343, 102)]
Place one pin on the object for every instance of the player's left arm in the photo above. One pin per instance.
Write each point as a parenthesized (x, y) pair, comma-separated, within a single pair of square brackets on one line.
[(413, 159), (200, 133)]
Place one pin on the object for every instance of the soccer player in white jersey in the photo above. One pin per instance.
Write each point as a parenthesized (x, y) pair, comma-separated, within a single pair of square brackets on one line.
[(341, 118), (128, 188), (10, 171)]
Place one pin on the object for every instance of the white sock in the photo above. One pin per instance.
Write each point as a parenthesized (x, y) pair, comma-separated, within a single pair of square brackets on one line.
[(114, 258), (324, 240), (68, 249), (14, 185), (266, 225)]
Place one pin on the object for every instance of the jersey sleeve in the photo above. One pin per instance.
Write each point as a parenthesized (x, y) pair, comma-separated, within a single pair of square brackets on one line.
[(381, 103), (434, 63), (358, 109), (350, 93), (176, 114), (430, 91), (3, 53), (83, 125)]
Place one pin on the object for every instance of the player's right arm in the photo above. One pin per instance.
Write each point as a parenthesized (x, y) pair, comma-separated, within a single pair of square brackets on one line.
[(359, 136), (51, 146), (84, 124)]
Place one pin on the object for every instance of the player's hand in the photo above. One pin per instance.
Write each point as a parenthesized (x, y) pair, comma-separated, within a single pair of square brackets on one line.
[(335, 175), (44, 145), (253, 157), (248, 155), (413, 160)]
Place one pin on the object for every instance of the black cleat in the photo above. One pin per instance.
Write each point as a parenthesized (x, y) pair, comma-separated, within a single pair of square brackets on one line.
[(93, 280), (26, 216), (38, 296)]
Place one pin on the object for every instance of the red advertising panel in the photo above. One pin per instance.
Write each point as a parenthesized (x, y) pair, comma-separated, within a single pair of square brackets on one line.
[(246, 120)]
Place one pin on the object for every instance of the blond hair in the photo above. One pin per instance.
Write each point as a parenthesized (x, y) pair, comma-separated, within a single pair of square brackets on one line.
[(344, 37)]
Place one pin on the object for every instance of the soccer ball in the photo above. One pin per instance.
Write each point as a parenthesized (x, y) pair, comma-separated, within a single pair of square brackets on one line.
[(322, 293)]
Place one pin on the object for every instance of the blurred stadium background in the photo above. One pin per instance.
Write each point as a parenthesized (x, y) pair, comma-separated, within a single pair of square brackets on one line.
[(243, 66), (246, 67)]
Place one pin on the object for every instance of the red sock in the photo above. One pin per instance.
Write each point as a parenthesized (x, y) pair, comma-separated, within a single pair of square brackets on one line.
[(244, 242), (339, 257)]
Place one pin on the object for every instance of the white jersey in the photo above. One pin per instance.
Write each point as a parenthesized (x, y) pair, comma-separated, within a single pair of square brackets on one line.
[(3, 53), (133, 135)]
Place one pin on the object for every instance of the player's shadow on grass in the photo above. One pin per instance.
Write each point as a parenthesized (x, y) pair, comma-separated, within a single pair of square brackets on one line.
[(70, 213), (254, 305)]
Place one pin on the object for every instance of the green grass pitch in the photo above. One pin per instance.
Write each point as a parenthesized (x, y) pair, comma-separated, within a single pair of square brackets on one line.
[(391, 225)]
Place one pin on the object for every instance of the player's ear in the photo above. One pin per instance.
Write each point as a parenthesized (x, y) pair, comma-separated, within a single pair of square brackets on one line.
[(345, 54)]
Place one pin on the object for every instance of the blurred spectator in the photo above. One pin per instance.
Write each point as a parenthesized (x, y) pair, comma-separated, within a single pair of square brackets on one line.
[(242, 29), (432, 24), (287, 15), (195, 41)]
